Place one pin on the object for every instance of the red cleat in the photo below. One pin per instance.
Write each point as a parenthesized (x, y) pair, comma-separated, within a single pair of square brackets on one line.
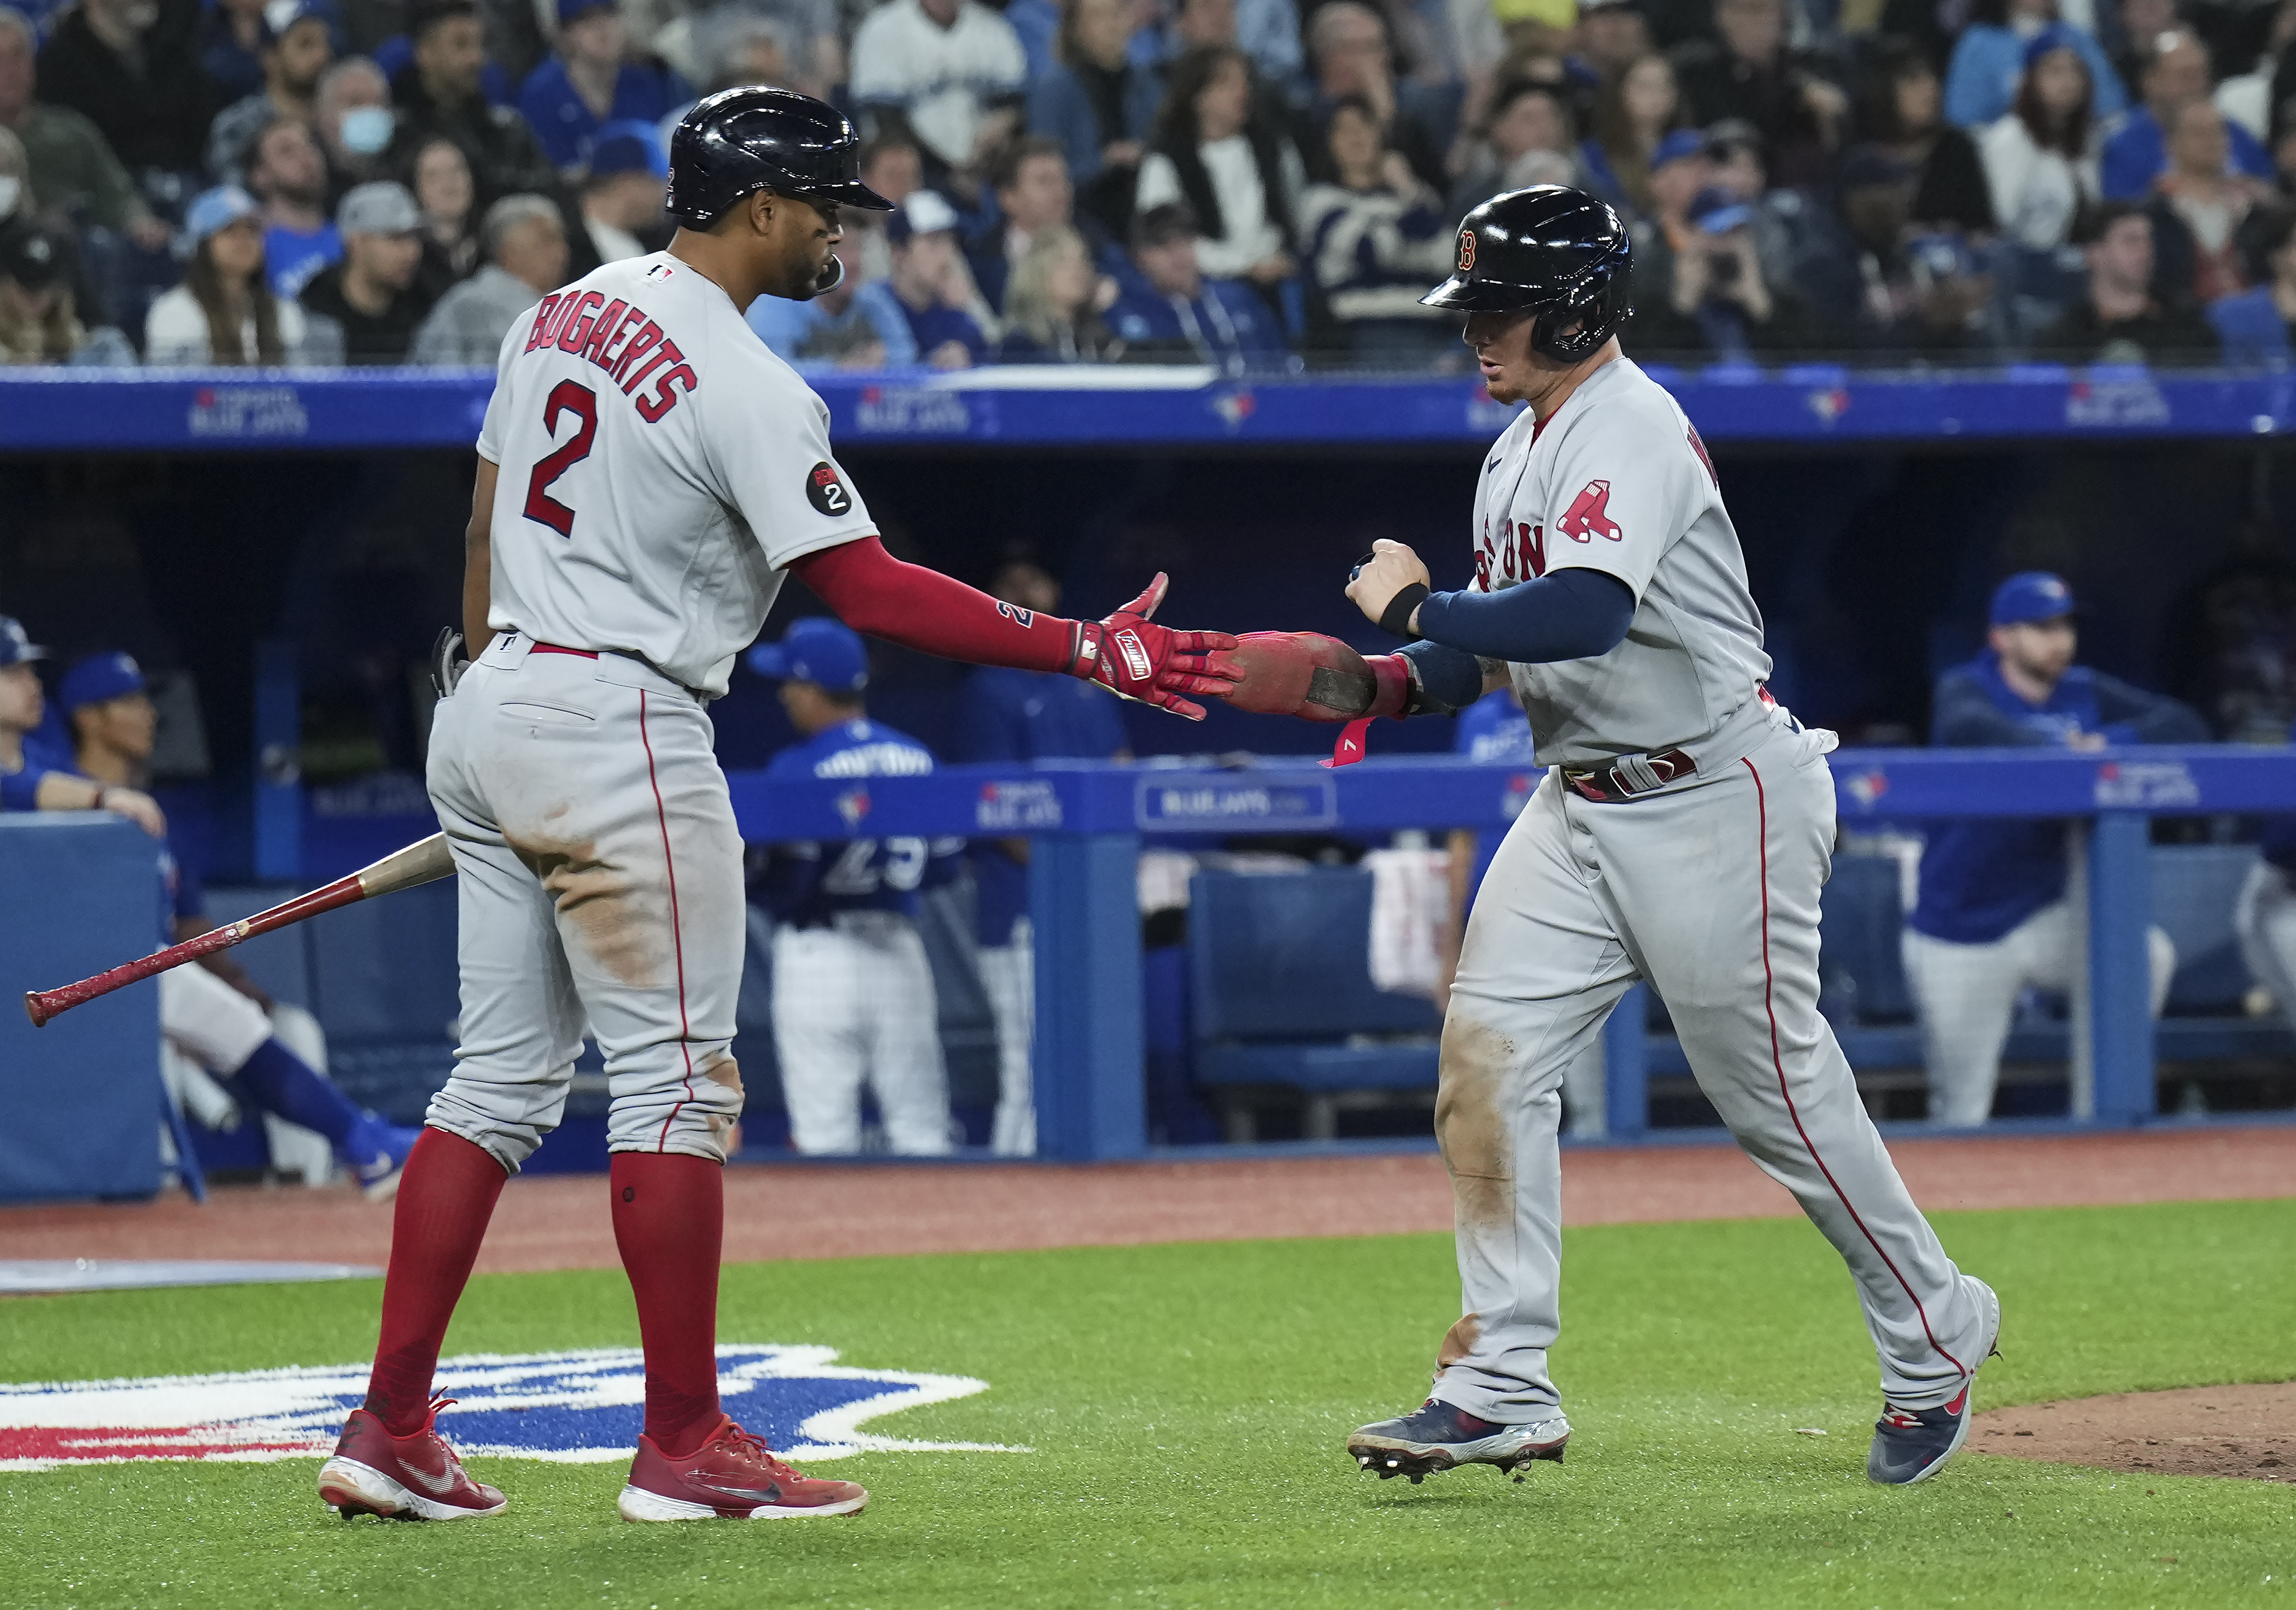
[(416, 1478), (734, 1476)]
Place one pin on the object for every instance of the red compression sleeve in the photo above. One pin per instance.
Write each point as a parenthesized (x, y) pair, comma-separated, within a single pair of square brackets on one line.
[(918, 608)]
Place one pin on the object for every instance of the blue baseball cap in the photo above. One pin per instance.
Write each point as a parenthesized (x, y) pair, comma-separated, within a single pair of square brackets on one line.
[(2056, 37), (628, 147), (97, 678), (217, 208), (819, 649), (568, 10), (2031, 595), (16, 648), (1682, 143)]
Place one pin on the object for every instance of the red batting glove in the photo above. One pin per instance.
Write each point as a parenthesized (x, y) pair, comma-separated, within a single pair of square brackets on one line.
[(1133, 658)]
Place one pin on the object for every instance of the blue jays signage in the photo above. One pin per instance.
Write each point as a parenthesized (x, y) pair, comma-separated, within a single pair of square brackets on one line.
[(578, 1407)]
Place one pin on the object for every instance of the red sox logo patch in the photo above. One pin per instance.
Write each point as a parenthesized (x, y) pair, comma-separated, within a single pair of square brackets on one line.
[(1589, 515), (1466, 251)]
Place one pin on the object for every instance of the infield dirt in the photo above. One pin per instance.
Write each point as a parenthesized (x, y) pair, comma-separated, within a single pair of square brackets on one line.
[(2233, 1431)]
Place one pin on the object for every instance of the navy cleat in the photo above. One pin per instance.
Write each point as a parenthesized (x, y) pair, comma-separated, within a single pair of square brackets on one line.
[(1440, 1436), (375, 1154), (1912, 1444)]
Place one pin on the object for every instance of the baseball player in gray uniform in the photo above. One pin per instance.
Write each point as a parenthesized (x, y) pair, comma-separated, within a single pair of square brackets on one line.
[(648, 473), (1680, 836)]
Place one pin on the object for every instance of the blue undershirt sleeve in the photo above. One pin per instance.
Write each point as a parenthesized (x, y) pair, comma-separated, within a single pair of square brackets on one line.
[(1451, 678), (1571, 614)]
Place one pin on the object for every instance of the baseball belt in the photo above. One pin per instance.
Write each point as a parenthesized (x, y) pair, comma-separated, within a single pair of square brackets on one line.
[(1628, 776)]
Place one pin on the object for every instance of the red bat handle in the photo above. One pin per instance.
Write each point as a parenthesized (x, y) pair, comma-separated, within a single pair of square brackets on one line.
[(41, 1005)]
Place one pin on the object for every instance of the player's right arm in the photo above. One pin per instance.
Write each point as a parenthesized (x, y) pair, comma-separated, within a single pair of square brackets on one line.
[(803, 511), (478, 560)]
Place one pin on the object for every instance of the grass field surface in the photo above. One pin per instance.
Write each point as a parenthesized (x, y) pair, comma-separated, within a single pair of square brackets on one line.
[(1187, 1406)]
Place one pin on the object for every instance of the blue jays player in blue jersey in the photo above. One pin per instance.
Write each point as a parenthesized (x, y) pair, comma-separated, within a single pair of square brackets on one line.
[(1022, 717), (213, 1015), (853, 993), (1992, 918)]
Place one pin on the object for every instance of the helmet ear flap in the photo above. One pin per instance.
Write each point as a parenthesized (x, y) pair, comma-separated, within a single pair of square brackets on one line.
[(1578, 326)]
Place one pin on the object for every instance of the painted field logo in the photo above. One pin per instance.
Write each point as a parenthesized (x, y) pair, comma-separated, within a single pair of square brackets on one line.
[(581, 1408)]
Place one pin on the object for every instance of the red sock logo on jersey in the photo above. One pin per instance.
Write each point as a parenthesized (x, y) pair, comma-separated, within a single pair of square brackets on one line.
[(1588, 516)]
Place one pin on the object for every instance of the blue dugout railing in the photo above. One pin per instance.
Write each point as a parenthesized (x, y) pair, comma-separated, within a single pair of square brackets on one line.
[(1088, 821), (1121, 408)]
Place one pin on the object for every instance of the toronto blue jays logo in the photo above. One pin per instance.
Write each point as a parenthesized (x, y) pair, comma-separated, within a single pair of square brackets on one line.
[(576, 1408)]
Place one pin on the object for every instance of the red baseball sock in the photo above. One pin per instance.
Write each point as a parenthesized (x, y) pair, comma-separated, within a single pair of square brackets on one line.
[(445, 1198), (670, 1222)]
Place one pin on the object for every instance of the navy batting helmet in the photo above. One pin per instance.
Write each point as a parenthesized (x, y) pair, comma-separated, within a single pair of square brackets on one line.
[(1549, 250), (741, 141)]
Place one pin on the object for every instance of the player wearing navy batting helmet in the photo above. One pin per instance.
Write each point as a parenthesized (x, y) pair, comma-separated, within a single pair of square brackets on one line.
[(1680, 837)]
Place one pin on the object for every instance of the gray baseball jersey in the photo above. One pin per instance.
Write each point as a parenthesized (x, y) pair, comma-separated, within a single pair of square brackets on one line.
[(1618, 481), (660, 471), (1707, 888)]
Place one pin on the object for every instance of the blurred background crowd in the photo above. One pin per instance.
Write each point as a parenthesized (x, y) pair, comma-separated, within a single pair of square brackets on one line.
[(1249, 182)]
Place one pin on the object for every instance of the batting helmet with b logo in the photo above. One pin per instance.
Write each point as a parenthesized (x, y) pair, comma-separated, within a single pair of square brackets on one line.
[(1550, 251)]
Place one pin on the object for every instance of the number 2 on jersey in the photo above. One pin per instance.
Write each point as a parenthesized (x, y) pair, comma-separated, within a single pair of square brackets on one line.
[(569, 398)]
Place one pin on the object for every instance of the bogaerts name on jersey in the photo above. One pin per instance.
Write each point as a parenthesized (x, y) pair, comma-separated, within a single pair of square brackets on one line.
[(619, 338)]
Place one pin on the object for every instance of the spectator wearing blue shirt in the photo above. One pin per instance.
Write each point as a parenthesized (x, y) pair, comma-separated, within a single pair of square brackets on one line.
[(590, 83), (929, 288), (853, 992), (1992, 919), (2254, 324), (288, 174), (1018, 718), (1170, 313), (1990, 58), (2176, 74), (1033, 194), (839, 328), (1267, 30), (1099, 105), (234, 36)]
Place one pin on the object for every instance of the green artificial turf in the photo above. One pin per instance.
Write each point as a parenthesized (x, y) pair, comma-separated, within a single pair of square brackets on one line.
[(1187, 1406)]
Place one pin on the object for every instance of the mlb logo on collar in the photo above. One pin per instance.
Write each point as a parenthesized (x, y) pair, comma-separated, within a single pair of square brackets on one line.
[(580, 1407)]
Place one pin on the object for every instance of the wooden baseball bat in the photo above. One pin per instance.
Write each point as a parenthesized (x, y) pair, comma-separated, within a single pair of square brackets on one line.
[(422, 862)]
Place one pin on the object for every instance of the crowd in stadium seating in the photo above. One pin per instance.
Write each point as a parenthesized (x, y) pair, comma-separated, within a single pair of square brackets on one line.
[(1242, 182)]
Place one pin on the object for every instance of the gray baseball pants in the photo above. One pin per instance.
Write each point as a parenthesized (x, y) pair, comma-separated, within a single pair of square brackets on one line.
[(599, 880), (1708, 890)]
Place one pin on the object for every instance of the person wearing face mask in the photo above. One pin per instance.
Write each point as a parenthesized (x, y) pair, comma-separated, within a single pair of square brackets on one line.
[(225, 312), (355, 122), (132, 67), (68, 162)]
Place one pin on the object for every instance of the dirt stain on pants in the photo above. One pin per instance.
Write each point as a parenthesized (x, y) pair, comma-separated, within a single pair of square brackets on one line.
[(1471, 1126), (595, 895)]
